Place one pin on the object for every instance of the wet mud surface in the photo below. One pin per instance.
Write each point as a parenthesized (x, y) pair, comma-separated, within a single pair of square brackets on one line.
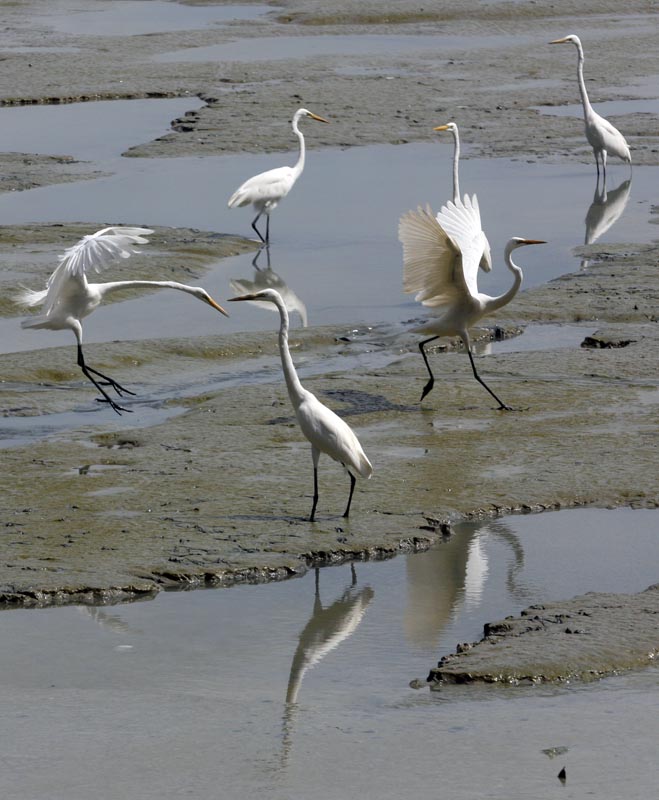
[(210, 481), (585, 638)]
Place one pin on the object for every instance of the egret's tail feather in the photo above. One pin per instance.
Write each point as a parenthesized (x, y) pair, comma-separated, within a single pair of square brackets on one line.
[(38, 321), (28, 297)]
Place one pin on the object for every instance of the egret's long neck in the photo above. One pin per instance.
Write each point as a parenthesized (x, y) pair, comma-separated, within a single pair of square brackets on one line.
[(504, 299), (587, 108), (115, 286), (295, 389), (456, 161), (300, 161)]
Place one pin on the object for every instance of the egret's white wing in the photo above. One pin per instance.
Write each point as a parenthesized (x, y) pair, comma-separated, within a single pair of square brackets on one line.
[(93, 252), (462, 222), (275, 183), (429, 258)]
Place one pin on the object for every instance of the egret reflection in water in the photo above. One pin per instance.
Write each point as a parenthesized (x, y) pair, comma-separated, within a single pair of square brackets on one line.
[(268, 279), (605, 210)]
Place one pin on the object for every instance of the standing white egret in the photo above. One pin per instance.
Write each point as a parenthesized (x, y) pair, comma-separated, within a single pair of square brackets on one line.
[(486, 257), (326, 431), (69, 297), (265, 190), (602, 136), (440, 257)]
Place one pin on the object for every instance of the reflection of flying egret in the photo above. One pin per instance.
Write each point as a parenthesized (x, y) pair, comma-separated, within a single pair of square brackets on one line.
[(326, 629), (268, 279), (266, 189), (486, 258), (440, 257), (602, 136), (68, 297), (326, 431)]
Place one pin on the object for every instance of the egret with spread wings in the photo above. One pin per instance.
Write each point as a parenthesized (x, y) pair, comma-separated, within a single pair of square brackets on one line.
[(265, 190), (69, 297), (602, 136), (440, 257)]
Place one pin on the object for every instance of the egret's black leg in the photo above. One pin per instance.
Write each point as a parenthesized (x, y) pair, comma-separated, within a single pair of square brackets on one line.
[(87, 372), (431, 381), (502, 405), (267, 229), (352, 489), (258, 232), (315, 494)]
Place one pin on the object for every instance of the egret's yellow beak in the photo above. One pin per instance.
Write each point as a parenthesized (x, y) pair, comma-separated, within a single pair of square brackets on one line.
[(318, 119), (242, 297), (215, 305), (558, 41), (441, 128)]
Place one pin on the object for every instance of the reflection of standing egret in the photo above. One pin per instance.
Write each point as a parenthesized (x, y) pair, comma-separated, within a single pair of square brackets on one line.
[(602, 136), (265, 190), (324, 429), (269, 279), (327, 627), (605, 210), (440, 264)]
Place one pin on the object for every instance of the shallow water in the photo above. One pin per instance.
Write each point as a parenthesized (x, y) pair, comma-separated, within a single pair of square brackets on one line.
[(272, 690), (138, 17), (335, 249)]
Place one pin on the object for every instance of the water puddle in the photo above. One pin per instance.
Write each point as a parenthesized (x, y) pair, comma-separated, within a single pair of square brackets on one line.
[(139, 17), (257, 687), (322, 242)]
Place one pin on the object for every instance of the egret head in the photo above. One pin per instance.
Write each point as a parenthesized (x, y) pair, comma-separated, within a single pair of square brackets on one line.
[(304, 112), (571, 38), (518, 241), (202, 294), (450, 126)]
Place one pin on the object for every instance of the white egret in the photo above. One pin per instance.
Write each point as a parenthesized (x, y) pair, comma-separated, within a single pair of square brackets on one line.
[(265, 190), (69, 297), (440, 257), (486, 257), (326, 431), (602, 136)]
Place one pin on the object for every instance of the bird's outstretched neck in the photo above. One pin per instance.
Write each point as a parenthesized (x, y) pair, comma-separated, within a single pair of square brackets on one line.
[(295, 388), (503, 299), (299, 166), (456, 162), (587, 108)]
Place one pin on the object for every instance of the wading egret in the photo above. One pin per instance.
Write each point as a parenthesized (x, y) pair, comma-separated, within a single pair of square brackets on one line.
[(601, 135), (486, 257), (440, 258), (326, 431), (265, 190), (69, 297)]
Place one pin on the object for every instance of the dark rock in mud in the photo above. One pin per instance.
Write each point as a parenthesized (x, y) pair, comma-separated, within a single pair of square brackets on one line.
[(585, 638)]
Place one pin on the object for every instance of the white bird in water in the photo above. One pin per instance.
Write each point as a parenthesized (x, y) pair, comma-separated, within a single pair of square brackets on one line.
[(602, 136), (440, 258), (265, 190), (69, 297), (486, 257), (326, 431)]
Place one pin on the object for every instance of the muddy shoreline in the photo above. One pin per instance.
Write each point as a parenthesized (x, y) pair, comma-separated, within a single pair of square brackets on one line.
[(216, 493)]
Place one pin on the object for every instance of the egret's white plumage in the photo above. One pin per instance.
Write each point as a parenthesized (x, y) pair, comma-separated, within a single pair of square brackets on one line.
[(486, 256), (602, 136), (440, 265), (69, 297), (326, 431), (265, 190)]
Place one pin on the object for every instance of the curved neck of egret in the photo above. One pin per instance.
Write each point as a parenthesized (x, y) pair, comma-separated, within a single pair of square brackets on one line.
[(115, 286), (504, 299), (456, 161), (295, 389), (587, 108), (299, 166)]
